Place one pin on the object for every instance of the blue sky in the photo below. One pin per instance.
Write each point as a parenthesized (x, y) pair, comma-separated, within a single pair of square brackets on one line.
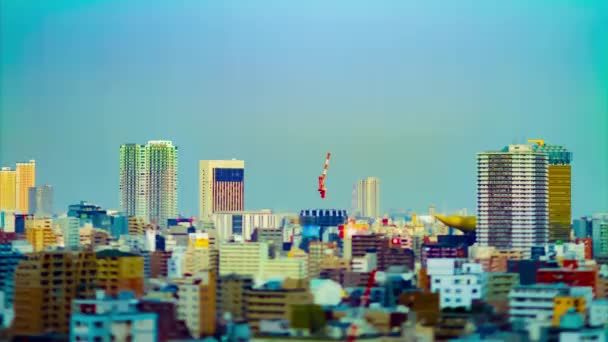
[(407, 91)]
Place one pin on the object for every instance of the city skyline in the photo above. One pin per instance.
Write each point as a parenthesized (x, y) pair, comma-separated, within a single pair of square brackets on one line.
[(385, 100)]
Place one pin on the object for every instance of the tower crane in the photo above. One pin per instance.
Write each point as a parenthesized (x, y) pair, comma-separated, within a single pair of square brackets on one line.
[(358, 319), (322, 188)]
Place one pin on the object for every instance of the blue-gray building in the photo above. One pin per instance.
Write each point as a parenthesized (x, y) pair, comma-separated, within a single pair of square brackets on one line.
[(9, 259)]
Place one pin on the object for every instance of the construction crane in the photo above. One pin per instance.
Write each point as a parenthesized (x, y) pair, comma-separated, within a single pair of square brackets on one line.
[(322, 188), (352, 334)]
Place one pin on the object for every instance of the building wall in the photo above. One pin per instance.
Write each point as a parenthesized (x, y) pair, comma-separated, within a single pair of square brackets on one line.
[(121, 273), (273, 305), (25, 179), (496, 286), (243, 258), (39, 233), (368, 197), (233, 289), (161, 181), (294, 268), (196, 304), (8, 189), (560, 202), (222, 190), (132, 180), (562, 304), (513, 181)]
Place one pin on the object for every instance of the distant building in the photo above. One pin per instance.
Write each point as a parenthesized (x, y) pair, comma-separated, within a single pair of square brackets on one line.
[(120, 271), (599, 234), (245, 259), (240, 225), (70, 227), (148, 181), (457, 283), (513, 181), (221, 186), (273, 304), (231, 295), (89, 213), (25, 179), (41, 200), (111, 319), (560, 190), (39, 233), (368, 197), (8, 189)]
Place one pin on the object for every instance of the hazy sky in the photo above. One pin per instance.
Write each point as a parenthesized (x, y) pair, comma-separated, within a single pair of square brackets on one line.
[(407, 91)]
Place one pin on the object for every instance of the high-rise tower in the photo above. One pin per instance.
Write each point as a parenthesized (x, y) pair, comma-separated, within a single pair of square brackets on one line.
[(512, 198), (221, 186), (368, 197), (560, 190), (133, 180), (161, 181), (148, 181), (8, 187), (41, 200), (25, 179)]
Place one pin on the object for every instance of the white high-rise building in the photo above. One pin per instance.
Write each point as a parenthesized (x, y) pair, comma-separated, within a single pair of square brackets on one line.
[(133, 180), (368, 197), (41, 200), (221, 186), (148, 181), (512, 198)]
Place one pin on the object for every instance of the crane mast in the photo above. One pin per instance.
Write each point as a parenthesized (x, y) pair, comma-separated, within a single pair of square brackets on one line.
[(322, 188)]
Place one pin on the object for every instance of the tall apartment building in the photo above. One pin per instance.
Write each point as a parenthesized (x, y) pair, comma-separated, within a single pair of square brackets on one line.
[(133, 180), (560, 190), (512, 198), (368, 197), (148, 181), (221, 186), (25, 179), (39, 233), (41, 200), (8, 189), (120, 271), (45, 285), (196, 303)]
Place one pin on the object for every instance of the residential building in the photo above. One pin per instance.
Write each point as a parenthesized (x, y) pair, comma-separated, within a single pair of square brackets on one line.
[(599, 231), (221, 186), (70, 227), (161, 181), (24, 180), (159, 263), (39, 233), (41, 200), (512, 192), (133, 180), (240, 225), (598, 313), (196, 303), (107, 319), (316, 252), (120, 271), (457, 283), (9, 259), (273, 304), (282, 267), (498, 285), (245, 259), (45, 285), (535, 303), (368, 197), (231, 295), (8, 189), (169, 327)]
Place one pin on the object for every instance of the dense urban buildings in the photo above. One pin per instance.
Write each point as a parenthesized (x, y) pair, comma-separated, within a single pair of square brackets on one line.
[(512, 198), (368, 197), (221, 186)]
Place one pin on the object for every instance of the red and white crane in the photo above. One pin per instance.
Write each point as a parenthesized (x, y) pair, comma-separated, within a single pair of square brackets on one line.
[(322, 188), (352, 334)]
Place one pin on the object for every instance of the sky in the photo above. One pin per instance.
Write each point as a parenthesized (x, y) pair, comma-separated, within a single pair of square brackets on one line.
[(407, 91)]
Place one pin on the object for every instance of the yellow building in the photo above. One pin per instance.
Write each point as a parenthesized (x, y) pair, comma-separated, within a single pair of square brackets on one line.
[(24, 180), (561, 305), (39, 233), (137, 226), (117, 271), (560, 202), (8, 186)]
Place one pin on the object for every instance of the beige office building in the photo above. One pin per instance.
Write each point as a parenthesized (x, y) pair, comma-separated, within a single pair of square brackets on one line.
[(368, 197), (245, 259)]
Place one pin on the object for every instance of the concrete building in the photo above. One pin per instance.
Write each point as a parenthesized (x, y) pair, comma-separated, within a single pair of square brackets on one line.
[(239, 225), (133, 180), (245, 259), (39, 233), (221, 186), (161, 181), (599, 234), (293, 268), (196, 303), (560, 190), (598, 313), (231, 295), (9, 259), (24, 180), (496, 286), (512, 192), (120, 271), (91, 214), (51, 277), (458, 283), (535, 303), (70, 227), (111, 319), (273, 304), (8, 189), (159, 264), (41, 200), (316, 252), (368, 197)]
